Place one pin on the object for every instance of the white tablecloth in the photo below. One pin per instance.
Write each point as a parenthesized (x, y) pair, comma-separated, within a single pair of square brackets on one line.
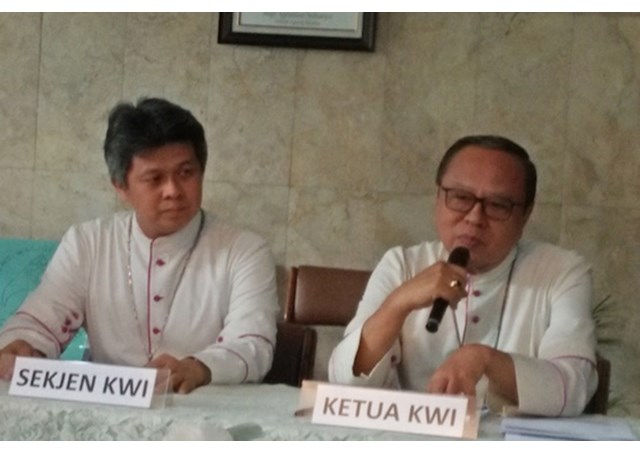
[(243, 412)]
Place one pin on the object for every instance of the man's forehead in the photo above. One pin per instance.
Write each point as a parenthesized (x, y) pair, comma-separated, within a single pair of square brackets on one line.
[(474, 165), (164, 157), (486, 157)]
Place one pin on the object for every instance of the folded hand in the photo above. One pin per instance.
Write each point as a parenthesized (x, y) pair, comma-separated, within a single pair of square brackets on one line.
[(186, 374)]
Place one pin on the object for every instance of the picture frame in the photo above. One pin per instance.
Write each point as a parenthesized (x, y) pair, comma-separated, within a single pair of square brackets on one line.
[(338, 31)]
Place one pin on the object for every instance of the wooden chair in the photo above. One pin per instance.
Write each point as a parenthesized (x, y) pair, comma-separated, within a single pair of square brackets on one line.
[(325, 298), (294, 355), (600, 400)]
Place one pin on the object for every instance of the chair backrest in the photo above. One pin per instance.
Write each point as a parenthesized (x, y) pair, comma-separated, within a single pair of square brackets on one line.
[(294, 355), (324, 295), (600, 400), (22, 262), (325, 298)]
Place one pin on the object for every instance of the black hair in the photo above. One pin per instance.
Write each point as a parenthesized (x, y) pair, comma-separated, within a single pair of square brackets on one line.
[(150, 124), (496, 143)]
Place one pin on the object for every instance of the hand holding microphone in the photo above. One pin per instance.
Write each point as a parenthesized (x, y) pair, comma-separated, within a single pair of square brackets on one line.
[(460, 257)]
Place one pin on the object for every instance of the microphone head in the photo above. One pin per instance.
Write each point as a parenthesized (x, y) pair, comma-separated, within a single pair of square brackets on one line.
[(459, 256)]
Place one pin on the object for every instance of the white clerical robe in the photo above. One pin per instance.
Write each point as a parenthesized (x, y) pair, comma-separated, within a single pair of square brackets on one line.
[(219, 304), (546, 326)]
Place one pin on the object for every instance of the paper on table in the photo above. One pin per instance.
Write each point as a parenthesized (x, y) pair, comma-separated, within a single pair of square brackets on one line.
[(579, 428)]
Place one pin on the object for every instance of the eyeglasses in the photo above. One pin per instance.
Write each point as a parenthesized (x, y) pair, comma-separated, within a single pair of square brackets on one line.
[(495, 208)]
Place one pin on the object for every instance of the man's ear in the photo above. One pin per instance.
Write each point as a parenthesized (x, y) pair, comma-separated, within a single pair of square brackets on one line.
[(121, 191)]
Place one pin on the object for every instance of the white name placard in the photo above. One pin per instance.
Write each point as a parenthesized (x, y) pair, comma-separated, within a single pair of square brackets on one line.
[(83, 381), (411, 412)]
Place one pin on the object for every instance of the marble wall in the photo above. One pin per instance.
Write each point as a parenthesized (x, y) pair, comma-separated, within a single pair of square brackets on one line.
[(331, 155)]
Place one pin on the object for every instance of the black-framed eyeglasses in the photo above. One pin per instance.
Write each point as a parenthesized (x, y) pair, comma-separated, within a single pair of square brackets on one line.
[(495, 208)]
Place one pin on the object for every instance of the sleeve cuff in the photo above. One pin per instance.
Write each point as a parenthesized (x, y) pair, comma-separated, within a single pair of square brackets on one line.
[(541, 386), (343, 358), (225, 365)]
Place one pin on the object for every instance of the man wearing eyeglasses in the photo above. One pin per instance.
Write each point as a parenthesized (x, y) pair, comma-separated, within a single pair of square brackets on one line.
[(520, 317)]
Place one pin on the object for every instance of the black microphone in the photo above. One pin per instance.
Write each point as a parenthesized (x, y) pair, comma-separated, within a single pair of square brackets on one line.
[(460, 257)]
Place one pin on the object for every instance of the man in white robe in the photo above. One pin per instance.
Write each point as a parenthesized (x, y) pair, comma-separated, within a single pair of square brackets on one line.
[(521, 311), (166, 285)]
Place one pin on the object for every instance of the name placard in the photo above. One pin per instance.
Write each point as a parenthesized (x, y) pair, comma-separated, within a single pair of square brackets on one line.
[(83, 381), (410, 412)]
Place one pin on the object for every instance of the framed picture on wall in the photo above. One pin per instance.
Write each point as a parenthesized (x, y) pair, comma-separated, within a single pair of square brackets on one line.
[(342, 31)]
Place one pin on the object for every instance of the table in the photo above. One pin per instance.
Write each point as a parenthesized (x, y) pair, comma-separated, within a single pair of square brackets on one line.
[(236, 412)]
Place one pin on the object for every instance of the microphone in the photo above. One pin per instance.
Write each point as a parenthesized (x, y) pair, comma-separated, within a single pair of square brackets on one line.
[(460, 257)]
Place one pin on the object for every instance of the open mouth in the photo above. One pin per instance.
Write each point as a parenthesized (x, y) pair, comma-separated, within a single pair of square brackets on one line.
[(467, 241)]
